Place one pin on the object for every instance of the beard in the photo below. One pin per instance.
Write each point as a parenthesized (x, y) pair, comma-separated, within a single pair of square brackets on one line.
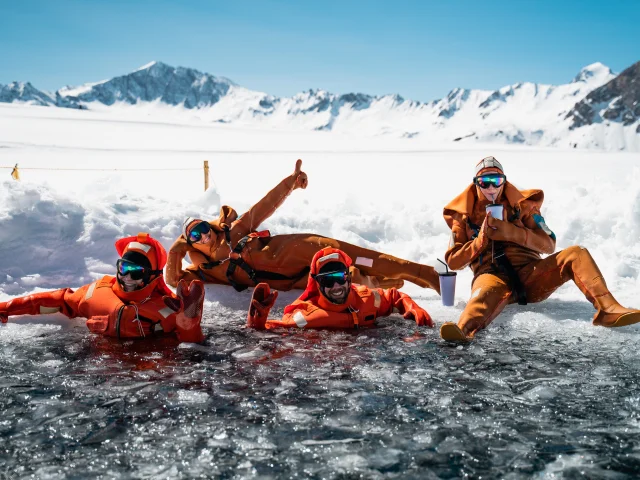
[(338, 295)]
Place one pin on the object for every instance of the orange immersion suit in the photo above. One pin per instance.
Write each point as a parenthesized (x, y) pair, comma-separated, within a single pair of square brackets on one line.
[(522, 236), (282, 261), (313, 310), (110, 310)]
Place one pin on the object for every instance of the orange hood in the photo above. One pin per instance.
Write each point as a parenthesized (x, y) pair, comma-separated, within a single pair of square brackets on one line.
[(157, 255), (328, 254)]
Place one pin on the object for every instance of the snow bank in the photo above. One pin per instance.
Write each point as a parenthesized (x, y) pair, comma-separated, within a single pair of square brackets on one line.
[(51, 240)]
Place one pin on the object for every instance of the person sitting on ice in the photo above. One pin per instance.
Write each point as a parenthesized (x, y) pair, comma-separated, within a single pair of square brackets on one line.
[(331, 300), (135, 303), (230, 251), (504, 254)]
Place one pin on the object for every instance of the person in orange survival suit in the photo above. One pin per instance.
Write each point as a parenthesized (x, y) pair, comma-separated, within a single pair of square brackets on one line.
[(332, 301), (228, 250), (133, 304), (512, 270)]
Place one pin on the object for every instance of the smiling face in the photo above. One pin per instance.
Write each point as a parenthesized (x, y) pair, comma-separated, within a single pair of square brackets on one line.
[(335, 284), (205, 238), (129, 284), (337, 293)]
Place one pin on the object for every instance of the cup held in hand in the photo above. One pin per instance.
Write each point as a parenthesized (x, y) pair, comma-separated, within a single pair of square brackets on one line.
[(497, 210)]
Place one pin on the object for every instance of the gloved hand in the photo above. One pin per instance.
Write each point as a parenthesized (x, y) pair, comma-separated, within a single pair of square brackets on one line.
[(482, 240), (411, 310), (188, 307), (502, 231), (4, 316), (261, 302), (300, 179)]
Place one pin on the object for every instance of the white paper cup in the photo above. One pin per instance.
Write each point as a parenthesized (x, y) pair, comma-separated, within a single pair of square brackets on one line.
[(448, 288), (496, 210)]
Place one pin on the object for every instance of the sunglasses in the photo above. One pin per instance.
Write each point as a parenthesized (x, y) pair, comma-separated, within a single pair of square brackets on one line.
[(136, 272), (486, 181), (196, 233), (326, 280)]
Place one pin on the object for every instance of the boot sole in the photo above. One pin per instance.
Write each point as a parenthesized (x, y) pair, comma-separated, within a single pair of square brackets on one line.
[(450, 332), (625, 320)]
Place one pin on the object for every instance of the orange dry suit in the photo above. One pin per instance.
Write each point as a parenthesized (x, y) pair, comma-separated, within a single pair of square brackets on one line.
[(238, 255), (313, 310), (108, 308), (517, 273)]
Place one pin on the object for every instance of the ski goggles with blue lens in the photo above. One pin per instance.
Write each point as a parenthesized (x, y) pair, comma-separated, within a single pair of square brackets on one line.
[(136, 272), (326, 280), (196, 233), (492, 179)]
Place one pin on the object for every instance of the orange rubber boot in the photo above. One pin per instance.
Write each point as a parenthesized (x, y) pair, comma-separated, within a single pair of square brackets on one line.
[(590, 281)]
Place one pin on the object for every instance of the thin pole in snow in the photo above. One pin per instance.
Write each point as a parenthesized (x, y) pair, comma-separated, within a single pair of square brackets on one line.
[(206, 175)]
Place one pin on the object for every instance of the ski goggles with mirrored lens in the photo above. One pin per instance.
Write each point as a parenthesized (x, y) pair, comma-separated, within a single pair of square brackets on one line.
[(326, 280), (136, 272), (196, 233), (486, 181)]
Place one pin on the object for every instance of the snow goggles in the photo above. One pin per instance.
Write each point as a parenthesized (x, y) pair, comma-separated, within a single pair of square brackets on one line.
[(326, 280), (136, 272), (486, 181), (196, 233)]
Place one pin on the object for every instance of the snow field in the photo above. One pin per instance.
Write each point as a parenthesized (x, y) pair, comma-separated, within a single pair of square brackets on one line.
[(57, 228)]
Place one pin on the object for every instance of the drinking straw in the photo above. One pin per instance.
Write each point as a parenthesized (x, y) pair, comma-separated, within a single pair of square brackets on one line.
[(445, 265)]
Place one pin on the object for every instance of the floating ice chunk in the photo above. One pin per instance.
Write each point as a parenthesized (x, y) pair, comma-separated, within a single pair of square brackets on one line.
[(191, 396)]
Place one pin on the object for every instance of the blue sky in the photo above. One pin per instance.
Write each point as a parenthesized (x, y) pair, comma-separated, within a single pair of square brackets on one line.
[(419, 49)]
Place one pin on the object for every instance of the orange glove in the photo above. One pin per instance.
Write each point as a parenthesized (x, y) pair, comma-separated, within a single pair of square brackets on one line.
[(261, 302), (502, 231), (411, 310), (188, 307), (300, 179)]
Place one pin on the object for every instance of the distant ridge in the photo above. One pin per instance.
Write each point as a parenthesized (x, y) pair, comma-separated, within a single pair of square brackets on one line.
[(597, 109)]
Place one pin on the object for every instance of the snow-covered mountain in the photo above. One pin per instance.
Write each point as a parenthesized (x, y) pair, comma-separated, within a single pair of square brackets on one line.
[(24, 92), (618, 100), (596, 110)]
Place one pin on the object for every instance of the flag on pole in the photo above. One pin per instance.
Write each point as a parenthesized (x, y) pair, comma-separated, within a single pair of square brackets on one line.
[(15, 174)]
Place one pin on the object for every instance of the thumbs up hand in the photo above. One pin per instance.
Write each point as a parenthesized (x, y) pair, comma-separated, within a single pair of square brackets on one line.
[(299, 177)]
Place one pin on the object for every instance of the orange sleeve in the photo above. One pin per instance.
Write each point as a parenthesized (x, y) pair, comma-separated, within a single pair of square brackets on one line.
[(462, 251), (538, 236), (72, 299), (261, 211), (308, 316), (177, 252), (392, 299)]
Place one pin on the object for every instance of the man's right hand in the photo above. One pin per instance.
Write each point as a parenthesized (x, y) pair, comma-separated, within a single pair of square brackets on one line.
[(300, 179)]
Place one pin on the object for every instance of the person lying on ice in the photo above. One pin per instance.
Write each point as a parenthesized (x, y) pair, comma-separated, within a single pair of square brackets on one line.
[(229, 250), (135, 303), (332, 301), (511, 270)]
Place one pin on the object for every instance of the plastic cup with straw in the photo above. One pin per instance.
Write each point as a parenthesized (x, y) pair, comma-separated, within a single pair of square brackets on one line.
[(447, 285)]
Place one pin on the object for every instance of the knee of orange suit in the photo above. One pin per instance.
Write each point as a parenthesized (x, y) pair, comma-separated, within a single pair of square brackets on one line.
[(572, 253)]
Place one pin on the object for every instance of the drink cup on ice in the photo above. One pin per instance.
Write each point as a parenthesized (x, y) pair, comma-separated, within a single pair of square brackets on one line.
[(448, 288), (496, 210)]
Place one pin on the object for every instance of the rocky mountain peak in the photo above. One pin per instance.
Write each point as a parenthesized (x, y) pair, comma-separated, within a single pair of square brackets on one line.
[(596, 70), (617, 100)]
